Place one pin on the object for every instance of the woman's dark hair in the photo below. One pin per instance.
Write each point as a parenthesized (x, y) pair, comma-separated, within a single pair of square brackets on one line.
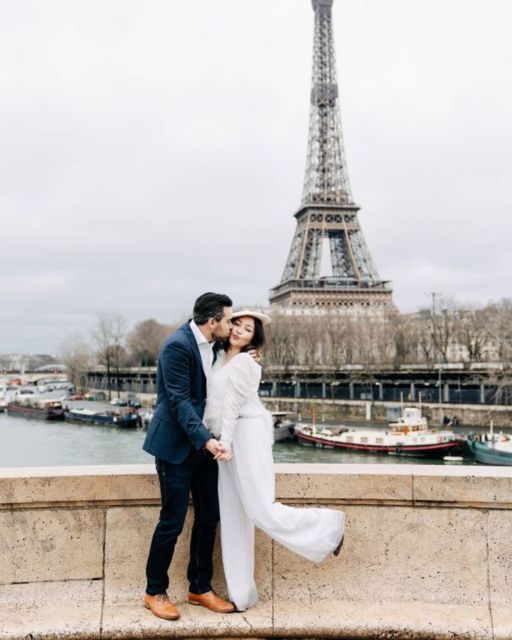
[(210, 305), (258, 339)]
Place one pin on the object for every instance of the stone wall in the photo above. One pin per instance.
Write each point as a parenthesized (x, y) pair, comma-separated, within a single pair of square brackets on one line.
[(427, 555), (467, 414)]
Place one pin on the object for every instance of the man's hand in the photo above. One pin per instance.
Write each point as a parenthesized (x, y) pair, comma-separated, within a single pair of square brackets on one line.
[(226, 455), (215, 447), (257, 354)]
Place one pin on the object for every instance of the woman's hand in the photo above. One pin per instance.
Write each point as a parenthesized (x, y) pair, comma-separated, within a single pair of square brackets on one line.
[(257, 355), (226, 454)]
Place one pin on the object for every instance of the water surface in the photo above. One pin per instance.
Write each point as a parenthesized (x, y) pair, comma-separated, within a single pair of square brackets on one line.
[(39, 443)]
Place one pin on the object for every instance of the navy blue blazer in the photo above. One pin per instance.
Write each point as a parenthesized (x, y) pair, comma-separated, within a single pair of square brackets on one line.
[(177, 423)]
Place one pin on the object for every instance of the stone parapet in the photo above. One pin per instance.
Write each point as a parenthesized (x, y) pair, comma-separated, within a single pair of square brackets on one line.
[(427, 555)]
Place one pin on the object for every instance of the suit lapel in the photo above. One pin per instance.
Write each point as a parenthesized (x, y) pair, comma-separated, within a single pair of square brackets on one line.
[(191, 338)]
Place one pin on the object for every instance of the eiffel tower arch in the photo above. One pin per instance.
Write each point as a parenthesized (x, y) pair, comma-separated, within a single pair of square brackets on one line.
[(329, 265)]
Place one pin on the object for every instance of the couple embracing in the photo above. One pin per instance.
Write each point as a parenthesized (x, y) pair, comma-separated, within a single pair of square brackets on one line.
[(212, 437)]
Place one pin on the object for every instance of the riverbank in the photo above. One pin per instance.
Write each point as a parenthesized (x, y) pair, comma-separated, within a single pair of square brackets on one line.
[(469, 415)]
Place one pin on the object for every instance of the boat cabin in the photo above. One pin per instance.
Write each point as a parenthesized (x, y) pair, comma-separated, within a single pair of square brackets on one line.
[(410, 420)]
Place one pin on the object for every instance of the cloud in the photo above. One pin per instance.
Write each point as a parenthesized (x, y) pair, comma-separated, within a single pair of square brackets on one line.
[(154, 151)]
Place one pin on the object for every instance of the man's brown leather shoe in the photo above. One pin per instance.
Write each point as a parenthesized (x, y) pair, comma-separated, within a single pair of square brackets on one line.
[(212, 602), (161, 606)]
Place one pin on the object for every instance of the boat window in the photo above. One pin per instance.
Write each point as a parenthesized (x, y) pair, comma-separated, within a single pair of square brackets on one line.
[(379, 440), (364, 439), (350, 439)]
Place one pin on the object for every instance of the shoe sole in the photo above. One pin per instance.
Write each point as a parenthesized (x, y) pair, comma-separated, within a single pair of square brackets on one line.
[(162, 617), (336, 551)]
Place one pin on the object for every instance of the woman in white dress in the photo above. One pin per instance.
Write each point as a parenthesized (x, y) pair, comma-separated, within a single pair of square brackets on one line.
[(235, 414)]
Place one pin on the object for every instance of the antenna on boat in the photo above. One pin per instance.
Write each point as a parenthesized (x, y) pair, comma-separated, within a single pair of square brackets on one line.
[(491, 431), (313, 417)]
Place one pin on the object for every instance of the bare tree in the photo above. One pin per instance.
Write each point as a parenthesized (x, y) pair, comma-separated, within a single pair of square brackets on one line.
[(338, 340), (499, 324), (145, 340), (76, 354), (404, 336), (472, 333), (281, 349), (426, 336), (447, 333), (436, 332), (109, 335)]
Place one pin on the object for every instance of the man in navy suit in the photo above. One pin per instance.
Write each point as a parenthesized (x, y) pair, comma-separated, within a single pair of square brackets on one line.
[(186, 453)]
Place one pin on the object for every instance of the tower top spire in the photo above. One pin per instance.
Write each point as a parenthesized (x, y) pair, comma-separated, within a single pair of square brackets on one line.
[(326, 179), (321, 3)]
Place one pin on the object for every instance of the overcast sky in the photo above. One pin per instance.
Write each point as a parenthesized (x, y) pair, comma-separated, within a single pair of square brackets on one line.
[(150, 151)]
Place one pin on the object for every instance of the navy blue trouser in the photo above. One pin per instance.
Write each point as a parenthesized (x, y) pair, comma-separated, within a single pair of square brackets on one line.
[(197, 475)]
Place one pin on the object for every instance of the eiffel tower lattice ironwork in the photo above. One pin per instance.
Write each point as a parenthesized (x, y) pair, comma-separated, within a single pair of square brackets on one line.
[(327, 221)]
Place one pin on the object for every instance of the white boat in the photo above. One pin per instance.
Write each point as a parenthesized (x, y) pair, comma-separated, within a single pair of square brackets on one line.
[(146, 417), (409, 435), (3, 398), (284, 428)]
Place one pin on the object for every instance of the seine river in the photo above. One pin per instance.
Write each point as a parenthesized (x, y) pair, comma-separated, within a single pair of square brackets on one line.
[(36, 443)]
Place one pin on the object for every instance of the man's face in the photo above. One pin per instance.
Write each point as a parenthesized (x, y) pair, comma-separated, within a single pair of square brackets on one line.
[(222, 328)]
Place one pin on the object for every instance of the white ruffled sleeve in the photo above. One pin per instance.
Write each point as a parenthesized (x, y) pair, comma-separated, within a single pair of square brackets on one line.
[(243, 380)]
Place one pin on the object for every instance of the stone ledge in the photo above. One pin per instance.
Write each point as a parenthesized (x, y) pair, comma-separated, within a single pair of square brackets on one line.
[(74, 610), (382, 620), (404, 484), (69, 610), (132, 620)]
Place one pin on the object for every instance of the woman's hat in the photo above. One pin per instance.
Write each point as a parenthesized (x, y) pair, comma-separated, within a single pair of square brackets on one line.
[(253, 314)]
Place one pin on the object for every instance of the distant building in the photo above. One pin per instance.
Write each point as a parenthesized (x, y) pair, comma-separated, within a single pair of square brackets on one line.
[(16, 362)]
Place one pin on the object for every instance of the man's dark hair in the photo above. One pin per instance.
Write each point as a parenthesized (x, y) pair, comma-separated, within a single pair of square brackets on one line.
[(210, 305)]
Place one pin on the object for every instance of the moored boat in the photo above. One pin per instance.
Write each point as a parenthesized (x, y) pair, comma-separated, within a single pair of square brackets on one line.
[(107, 418), (491, 448), (33, 407), (3, 399), (146, 417), (496, 452), (284, 429), (409, 436)]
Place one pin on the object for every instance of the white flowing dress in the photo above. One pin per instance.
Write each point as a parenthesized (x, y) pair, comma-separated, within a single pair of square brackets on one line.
[(234, 413)]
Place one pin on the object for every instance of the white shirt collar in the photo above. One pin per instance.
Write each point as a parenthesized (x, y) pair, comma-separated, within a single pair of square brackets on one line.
[(198, 334)]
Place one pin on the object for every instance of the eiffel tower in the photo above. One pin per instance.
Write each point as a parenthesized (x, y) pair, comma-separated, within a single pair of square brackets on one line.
[(329, 265)]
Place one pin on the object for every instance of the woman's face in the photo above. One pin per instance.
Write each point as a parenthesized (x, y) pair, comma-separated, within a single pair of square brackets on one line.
[(242, 332)]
